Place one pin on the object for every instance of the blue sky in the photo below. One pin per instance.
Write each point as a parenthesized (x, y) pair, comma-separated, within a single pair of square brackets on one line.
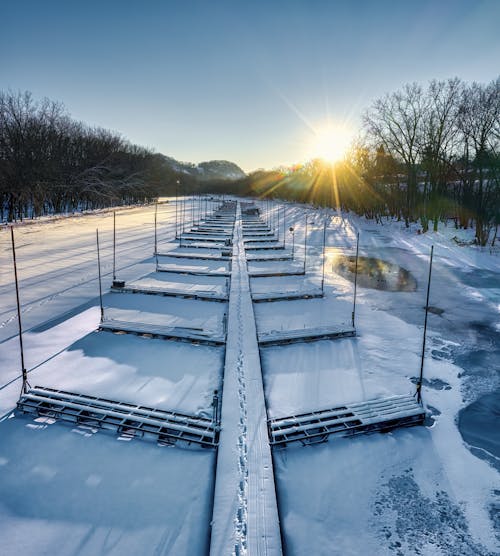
[(239, 80)]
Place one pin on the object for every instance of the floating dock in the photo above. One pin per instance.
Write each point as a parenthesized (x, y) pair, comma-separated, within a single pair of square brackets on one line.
[(271, 257), (283, 337), (285, 296), (278, 274), (181, 334), (120, 417), (208, 295), (201, 256), (378, 415), (193, 272)]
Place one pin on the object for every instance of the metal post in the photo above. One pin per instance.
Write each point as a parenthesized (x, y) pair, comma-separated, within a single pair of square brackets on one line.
[(99, 271), (355, 281), (156, 233), (215, 405), (323, 269), (23, 368), (176, 207), (279, 224), (419, 383), (114, 246), (192, 209), (292, 231), (305, 247), (181, 227), (284, 226)]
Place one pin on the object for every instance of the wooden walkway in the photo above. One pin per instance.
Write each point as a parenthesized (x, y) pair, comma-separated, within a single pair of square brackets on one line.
[(120, 417), (245, 514), (381, 414)]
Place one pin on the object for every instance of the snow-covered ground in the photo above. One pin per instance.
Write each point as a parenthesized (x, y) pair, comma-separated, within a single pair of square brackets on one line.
[(73, 490), (415, 491)]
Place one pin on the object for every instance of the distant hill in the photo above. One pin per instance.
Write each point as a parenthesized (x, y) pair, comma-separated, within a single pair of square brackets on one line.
[(207, 171)]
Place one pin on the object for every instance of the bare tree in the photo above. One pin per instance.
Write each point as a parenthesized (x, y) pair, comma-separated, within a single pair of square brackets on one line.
[(395, 121)]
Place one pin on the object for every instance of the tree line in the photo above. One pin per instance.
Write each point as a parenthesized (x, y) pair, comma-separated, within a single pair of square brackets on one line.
[(425, 154), (51, 163)]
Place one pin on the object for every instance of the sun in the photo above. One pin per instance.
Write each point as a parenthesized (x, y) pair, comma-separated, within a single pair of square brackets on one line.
[(330, 142)]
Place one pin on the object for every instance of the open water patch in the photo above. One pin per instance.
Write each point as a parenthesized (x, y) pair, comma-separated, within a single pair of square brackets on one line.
[(375, 273), (479, 426)]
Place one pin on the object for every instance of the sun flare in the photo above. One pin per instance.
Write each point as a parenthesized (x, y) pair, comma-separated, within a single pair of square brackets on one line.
[(330, 142)]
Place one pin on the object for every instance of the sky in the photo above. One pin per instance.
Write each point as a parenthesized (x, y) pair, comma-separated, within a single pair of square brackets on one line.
[(246, 81)]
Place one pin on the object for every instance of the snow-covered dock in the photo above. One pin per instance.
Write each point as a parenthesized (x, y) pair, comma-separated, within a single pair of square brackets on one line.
[(188, 243), (282, 337), (275, 274), (201, 237), (382, 414), (201, 256), (249, 238), (213, 294), (262, 297), (271, 257), (120, 417), (245, 514), (192, 270), (185, 334), (260, 247), (257, 233)]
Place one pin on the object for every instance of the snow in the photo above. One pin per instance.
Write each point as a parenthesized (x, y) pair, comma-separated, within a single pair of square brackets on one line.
[(72, 491), (164, 311), (195, 285), (420, 490), (412, 490), (64, 489)]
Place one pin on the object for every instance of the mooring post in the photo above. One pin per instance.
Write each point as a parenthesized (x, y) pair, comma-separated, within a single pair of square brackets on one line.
[(99, 272), (305, 247), (279, 223), (156, 233), (176, 207), (193, 203), (355, 280), (23, 368), (421, 377), (215, 404), (323, 266), (284, 226), (114, 245)]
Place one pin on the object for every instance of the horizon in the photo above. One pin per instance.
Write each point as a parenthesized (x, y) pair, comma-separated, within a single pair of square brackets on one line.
[(247, 84)]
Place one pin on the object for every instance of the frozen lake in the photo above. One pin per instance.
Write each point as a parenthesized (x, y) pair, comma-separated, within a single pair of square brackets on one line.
[(425, 490)]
